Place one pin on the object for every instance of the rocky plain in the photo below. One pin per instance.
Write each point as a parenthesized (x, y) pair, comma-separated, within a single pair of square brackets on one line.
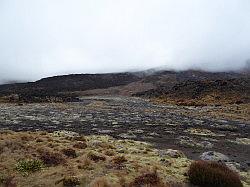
[(165, 126)]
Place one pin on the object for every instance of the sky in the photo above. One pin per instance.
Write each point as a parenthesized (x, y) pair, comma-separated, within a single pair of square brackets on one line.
[(40, 38)]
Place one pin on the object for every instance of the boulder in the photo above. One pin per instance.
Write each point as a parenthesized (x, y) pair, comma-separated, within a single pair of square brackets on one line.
[(206, 145), (214, 156), (219, 157), (172, 153)]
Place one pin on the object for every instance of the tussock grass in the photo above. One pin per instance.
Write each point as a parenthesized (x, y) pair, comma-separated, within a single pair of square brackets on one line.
[(96, 161), (207, 174), (151, 179), (52, 158)]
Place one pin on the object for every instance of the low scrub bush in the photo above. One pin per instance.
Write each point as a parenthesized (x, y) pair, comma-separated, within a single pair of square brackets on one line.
[(119, 160), (26, 137), (80, 145), (150, 179), (52, 158), (39, 140), (95, 157), (79, 138), (71, 181), (213, 174), (69, 152), (86, 164), (7, 181)]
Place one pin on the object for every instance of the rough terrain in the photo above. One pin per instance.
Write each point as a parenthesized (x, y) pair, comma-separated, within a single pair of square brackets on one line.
[(65, 158), (165, 126)]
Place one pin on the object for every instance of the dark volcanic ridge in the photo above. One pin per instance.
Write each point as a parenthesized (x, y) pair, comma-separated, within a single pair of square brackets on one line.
[(203, 92), (177, 87)]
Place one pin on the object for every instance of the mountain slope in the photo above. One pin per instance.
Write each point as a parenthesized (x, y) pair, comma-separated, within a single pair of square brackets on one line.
[(76, 82), (199, 88), (168, 86)]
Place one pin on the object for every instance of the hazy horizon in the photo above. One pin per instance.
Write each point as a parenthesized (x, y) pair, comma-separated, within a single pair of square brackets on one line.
[(46, 38)]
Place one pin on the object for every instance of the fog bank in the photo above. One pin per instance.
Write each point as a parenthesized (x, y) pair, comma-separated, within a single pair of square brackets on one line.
[(44, 38)]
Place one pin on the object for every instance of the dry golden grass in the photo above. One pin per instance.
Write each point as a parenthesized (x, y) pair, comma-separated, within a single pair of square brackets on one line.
[(99, 164)]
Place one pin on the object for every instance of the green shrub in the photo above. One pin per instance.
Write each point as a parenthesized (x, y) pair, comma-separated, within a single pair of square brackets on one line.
[(213, 174), (29, 166)]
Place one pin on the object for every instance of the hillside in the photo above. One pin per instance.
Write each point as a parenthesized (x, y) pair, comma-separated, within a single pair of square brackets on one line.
[(204, 92), (165, 85), (51, 88)]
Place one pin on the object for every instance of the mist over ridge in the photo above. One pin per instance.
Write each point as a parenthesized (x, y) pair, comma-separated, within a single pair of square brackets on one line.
[(45, 38)]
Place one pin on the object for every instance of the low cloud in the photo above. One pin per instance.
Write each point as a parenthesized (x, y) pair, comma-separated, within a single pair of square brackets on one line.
[(45, 38)]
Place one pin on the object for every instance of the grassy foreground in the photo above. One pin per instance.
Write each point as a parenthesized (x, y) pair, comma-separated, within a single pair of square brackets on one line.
[(67, 159)]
